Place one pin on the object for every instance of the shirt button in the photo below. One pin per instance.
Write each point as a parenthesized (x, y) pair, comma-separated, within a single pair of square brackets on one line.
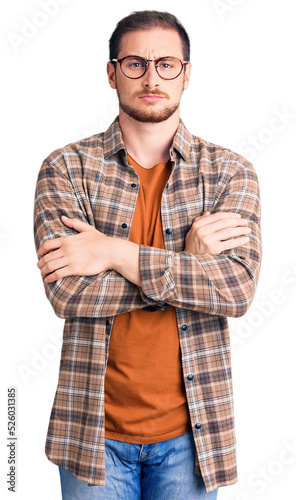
[(124, 225), (198, 425), (184, 328), (190, 376), (169, 230), (134, 185)]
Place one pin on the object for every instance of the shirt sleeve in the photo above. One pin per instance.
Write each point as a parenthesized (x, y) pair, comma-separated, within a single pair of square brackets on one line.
[(102, 295), (221, 284)]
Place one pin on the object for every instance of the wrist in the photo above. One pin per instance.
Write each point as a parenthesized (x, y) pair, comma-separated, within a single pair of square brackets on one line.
[(124, 259)]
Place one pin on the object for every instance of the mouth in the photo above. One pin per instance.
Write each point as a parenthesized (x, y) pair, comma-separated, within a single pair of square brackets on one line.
[(151, 97)]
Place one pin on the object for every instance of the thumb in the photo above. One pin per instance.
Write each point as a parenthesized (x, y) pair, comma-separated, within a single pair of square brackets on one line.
[(201, 216), (76, 224)]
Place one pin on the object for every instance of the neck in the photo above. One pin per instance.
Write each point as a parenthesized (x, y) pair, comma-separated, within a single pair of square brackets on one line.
[(148, 143)]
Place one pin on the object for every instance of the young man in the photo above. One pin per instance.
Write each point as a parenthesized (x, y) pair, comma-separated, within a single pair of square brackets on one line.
[(151, 233)]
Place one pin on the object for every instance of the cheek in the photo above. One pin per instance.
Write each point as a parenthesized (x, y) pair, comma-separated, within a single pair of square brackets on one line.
[(178, 90), (124, 87)]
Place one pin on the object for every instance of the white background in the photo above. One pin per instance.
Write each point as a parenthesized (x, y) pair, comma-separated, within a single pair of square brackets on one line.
[(241, 96)]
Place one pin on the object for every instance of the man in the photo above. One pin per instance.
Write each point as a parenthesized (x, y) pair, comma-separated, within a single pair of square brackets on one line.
[(151, 233)]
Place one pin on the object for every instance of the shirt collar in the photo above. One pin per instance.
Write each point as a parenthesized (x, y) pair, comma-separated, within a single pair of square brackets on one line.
[(182, 141), (112, 138), (113, 141)]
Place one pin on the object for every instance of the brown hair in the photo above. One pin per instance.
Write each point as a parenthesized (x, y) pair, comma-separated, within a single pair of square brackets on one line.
[(144, 20)]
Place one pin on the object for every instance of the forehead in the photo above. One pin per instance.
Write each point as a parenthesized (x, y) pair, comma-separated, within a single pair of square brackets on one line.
[(152, 43)]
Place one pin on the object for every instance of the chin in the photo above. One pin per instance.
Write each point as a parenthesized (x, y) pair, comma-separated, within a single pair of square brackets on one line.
[(151, 116)]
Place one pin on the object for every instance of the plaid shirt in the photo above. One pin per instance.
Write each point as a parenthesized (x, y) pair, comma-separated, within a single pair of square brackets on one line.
[(92, 181)]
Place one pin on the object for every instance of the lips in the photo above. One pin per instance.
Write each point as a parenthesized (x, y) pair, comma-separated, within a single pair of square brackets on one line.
[(151, 98)]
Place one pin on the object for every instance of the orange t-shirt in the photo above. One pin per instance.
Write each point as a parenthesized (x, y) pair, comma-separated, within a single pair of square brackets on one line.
[(145, 399)]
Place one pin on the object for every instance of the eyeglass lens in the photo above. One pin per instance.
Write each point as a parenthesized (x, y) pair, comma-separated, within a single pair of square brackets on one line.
[(135, 67)]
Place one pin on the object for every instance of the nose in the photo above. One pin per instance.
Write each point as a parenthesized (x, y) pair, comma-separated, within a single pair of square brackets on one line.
[(151, 77)]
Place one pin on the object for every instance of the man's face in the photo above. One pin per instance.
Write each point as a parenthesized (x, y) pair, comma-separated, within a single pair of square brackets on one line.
[(149, 98)]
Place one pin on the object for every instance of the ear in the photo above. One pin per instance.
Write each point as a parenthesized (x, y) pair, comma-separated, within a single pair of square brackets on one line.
[(111, 74), (187, 75)]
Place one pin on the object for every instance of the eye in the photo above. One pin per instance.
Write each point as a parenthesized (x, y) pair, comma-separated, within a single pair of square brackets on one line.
[(167, 64), (135, 63)]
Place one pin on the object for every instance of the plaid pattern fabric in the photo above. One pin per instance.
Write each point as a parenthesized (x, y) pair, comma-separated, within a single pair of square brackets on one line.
[(91, 180)]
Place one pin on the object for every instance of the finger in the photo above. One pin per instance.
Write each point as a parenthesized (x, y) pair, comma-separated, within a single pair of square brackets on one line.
[(60, 273), (205, 214), (235, 243), (76, 224), (215, 217), (210, 227), (56, 254), (50, 245), (233, 232), (53, 266)]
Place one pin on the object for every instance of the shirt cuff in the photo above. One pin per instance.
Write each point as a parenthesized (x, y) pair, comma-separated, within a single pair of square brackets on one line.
[(157, 282)]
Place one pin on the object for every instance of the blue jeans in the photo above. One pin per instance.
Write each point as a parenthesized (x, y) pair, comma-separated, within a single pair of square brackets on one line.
[(159, 471)]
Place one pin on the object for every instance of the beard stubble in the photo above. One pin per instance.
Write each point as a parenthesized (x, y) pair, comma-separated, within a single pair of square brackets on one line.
[(149, 115)]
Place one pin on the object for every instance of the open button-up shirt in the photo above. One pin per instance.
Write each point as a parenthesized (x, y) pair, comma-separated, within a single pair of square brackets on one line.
[(92, 180)]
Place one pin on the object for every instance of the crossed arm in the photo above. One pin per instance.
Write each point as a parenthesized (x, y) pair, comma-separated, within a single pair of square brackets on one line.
[(90, 252), (89, 274)]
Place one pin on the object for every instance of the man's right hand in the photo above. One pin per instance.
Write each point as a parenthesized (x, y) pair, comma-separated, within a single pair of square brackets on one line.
[(215, 233)]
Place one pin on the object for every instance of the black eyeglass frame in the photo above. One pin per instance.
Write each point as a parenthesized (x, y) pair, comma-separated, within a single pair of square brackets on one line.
[(156, 61)]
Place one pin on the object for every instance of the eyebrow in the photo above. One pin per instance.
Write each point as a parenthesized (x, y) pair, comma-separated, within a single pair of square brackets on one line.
[(156, 58)]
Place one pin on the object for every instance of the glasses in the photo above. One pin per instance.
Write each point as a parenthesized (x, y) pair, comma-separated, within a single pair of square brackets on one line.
[(167, 68)]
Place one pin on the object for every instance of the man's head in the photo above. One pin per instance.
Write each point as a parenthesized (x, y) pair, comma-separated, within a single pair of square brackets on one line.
[(149, 91), (147, 20)]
